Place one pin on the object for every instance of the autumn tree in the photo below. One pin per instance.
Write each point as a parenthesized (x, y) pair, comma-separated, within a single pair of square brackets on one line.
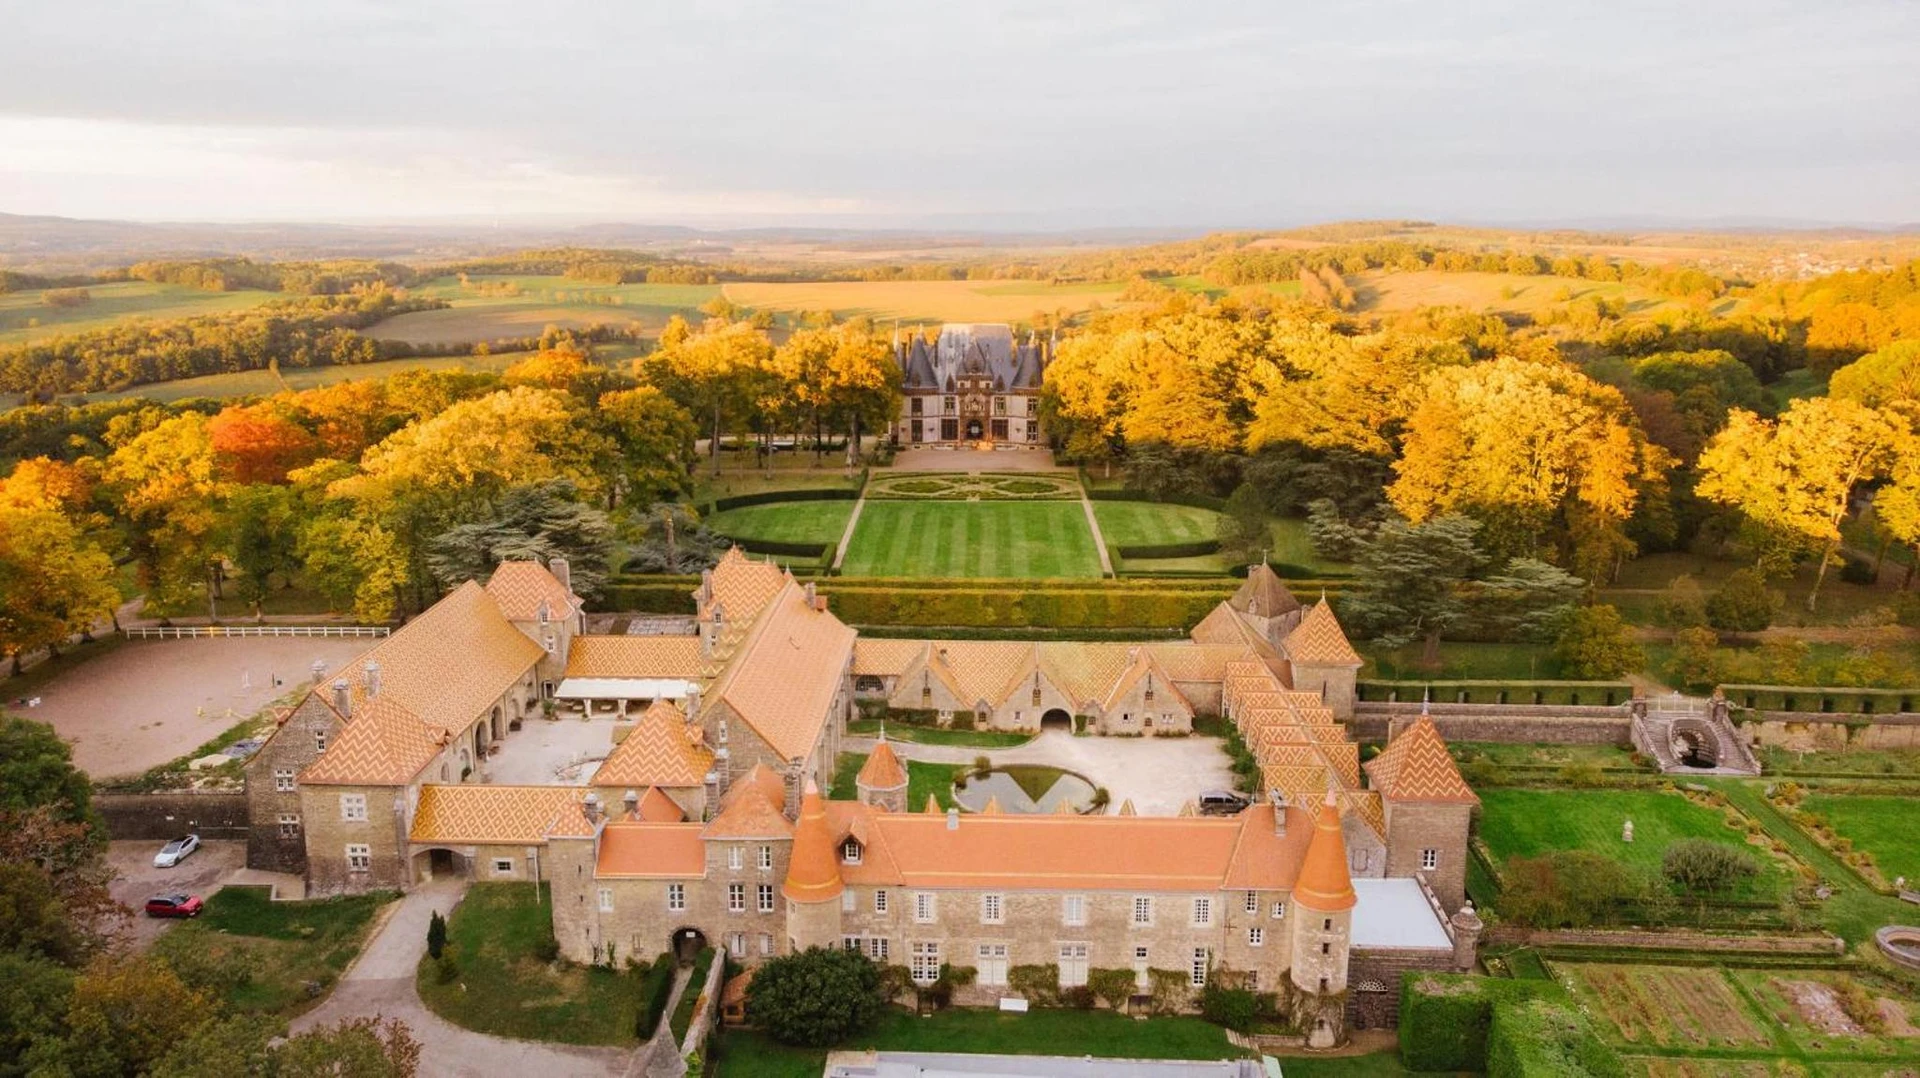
[(169, 495), (715, 373), (259, 443), (566, 367), (841, 376), (651, 439), (1796, 476), (54, 582)]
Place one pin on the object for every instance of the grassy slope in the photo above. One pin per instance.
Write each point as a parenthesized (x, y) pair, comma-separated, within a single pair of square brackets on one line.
[(114, 303), (285, 944), (263, 382), (785, 522), (1882, 826), (972, 539)]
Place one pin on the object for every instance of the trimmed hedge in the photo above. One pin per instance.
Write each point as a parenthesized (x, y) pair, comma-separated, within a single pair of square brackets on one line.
[(1824, 700), (1195, 549), (656, 984), (1563, 693), (1445, 1018), (770, 497), (1020, 633), (676, 598), (1540, 1038), (1021, 607), (1196, 501), (779, 549)]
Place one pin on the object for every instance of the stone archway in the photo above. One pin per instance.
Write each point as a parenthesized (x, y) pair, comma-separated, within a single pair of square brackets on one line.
[(499, 724), (1057, 719), (686, 943), (441, 863)]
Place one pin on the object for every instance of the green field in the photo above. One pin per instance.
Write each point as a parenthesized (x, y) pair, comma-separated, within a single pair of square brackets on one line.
[(1007, 539), (25, 316), (1527, 823), (1154, 523), (512, 307), (785, 522), (1882, 826), (261, 955), (262, 383)]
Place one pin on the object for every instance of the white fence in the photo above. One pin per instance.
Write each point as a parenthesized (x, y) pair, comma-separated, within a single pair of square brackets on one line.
[(183, 632)]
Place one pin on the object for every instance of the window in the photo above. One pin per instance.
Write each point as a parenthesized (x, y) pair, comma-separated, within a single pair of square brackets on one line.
[(766, 943), (737, 944), (1030, 408), (289, 825), (993, 963), (1279, 909), (283, 780), (850, 852), (766, 898), (359, 857), (353, 806), (503, 866), (676, 897), (925, 966), (880, 900), (1429, 859), (1202, 911), (1326, 948), (766, 858), (734, 858), (1140, 968), (1256, 937), (999, 406), (946, 405), (1326, 925), (1253, 902), (847, 902), (916, 406), (736, 898), (992, 911), (1142, 910), (1073, 910), (606, 900), (319, 741), (1197, 973), (878, 948), (1073, 965), (923, 907), (850, 943)]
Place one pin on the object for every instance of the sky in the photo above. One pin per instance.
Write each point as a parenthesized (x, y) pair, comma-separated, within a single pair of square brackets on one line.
[(970, 113)]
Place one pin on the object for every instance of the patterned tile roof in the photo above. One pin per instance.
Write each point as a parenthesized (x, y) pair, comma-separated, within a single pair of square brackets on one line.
[(663, 749), (1143, 667), (752, 808), (1197, 662), (882, 771), (743, 587), (1319, 640), (384, 744), (1417, 767), (1085, 672), (634, 657), (886, 658), (479, 813), (521, 586), (784, 676)]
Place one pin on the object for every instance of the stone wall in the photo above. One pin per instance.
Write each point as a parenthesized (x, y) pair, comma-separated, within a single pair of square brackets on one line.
[(1516, 723), (1373, 982), (170, 814), (1800, 731), (1672, 940)]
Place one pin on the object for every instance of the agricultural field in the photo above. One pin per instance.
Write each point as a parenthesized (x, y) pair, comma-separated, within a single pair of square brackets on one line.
[(1688, 1067), (928, 301), (26, 317), (1838, 1013), (785, 522), (1686, 1007), (265, 382), (1154, 524), (1528, 823), (1013, 539), (1882, 826), (1505, 293), (513, 307)]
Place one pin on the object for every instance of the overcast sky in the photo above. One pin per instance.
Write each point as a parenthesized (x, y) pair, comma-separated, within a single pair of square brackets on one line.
[(972, 112)]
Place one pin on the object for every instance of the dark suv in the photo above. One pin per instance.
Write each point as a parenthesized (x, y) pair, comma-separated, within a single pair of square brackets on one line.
[(1222, 803)]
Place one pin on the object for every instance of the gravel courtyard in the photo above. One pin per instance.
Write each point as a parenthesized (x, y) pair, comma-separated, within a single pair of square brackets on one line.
[(149, 701), (1158, 774)]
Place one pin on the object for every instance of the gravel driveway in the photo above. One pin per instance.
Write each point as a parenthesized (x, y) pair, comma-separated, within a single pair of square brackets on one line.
[(1158, 774), (136, 880)]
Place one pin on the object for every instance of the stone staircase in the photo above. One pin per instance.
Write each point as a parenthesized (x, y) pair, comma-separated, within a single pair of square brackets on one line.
[(1687, 735)]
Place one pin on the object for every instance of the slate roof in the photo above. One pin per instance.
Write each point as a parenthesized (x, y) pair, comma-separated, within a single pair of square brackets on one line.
[(971, 348), (1264, 594)]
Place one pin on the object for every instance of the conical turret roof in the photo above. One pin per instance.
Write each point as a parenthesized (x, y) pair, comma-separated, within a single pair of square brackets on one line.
[(882, 771), (813, 873), (1325, 884)]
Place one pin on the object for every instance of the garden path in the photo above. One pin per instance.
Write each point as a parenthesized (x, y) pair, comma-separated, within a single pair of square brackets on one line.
[(380, 984)]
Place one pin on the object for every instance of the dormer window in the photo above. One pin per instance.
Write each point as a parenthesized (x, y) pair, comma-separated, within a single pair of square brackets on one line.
[(850, 851)]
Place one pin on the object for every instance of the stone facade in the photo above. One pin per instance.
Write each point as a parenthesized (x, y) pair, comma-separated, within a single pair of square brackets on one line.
[(279, 842), (974, 383), (1429, 840)]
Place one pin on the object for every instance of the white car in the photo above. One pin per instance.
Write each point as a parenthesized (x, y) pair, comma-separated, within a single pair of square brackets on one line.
[(176, 851)]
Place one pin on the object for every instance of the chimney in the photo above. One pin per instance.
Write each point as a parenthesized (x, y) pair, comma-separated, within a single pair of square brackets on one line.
[(693, 702), (373, 679), (342, 698), (631, 799), (953, 819), (1279, 801), (562, 571), (706, 585), (591, 806), (813, 596)]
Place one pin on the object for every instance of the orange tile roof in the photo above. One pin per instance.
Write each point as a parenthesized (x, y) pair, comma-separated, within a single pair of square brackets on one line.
[(635, 657), (882, 771), (1264, 594), (813, 871), (651, 851), (752, 808), (743, 586), (480, 813), (1416, 766), (1045, 851), (1319, 640), (657, 807), (1263, 860), (383, 745), (521, 586), (1085, 672), (1143, 668), (981, 669), (1224, 627), (1325, 884), (785, 674), (662, 750), (1197, 662), (886, 658)]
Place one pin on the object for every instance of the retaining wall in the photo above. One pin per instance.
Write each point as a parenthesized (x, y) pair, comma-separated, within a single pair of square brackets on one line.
[(172, 813), (1518, 723), (1800, 731), (1677, 940)]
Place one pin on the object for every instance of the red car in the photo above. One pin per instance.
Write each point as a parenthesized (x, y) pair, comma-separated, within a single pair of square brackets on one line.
[(174, 906)]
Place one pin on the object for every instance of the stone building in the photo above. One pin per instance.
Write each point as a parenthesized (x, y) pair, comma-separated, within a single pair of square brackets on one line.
[(974, 383)]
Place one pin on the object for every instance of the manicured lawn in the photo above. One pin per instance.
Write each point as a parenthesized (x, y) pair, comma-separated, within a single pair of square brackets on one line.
[(1891, 763), (923, 779), (1531, 755), (1461, 662), (1007, 539), (690, 996), (266, 952), (1883, 826), (1101, 1034), (1154, 523), (503, 988), (933, 735), (1528, 823), (785, 522)]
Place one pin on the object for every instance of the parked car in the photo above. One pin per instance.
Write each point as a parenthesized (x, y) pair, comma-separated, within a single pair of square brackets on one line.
[(1222, 803), (174, 906), (176, 851)]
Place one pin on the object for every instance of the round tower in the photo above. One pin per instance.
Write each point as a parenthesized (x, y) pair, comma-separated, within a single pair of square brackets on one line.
[(1323, 902), (813, 883), (882, 782)]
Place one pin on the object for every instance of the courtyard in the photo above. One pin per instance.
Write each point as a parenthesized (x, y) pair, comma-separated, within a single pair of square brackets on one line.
[(566, 751)]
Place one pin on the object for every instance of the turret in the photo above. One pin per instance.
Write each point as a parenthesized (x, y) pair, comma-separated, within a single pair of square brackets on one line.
[(813, 885), (1323, 902), (882, 782)]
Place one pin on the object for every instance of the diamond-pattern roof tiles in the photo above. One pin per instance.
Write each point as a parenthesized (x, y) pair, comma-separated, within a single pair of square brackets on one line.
[(634, 657), (519, 587), (1319, 641), (1417, 767), (660, 751), (480, 813)]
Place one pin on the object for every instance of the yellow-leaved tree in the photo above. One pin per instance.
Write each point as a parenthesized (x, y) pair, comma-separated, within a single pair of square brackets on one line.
[(169, 494)]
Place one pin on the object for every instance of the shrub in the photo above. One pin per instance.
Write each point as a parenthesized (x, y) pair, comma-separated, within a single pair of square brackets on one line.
[(1699, 864), (656, 984), (445, 969), (1585, 775), (1855, 569), (436, 935), (818, 997), (1079, 997), (1596, 644), (1744, 603), (546, 948), (1541, 1038), (1114, 987), (1041, 984), (1445, 1017), (1234, 1008)]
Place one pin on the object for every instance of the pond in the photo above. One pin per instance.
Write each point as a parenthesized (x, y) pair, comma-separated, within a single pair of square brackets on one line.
[(1011, 791)]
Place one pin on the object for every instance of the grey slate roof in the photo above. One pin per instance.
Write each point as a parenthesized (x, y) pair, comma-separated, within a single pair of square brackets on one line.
[(972, 348)]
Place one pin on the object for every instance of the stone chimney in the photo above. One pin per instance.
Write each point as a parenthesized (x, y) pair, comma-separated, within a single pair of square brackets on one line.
[(562, 571), (953, 819), (693, 703), (373, 679), (1279, 802), (342, 698), (631, 799), (813, 596), (544, 614), (591, 806)]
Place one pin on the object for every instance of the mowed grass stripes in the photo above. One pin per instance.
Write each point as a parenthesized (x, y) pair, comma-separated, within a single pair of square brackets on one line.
[(1012, 539)]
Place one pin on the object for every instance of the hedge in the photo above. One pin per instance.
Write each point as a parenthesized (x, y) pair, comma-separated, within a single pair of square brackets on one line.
[(780, 549), (1821, 699), (769, 497), (1195, 549), (1021, 633), (1540, 1038), (1564, 693), (1196, 501), (1445, 1017), (1021, 607), (655, 986), (648, 598)]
